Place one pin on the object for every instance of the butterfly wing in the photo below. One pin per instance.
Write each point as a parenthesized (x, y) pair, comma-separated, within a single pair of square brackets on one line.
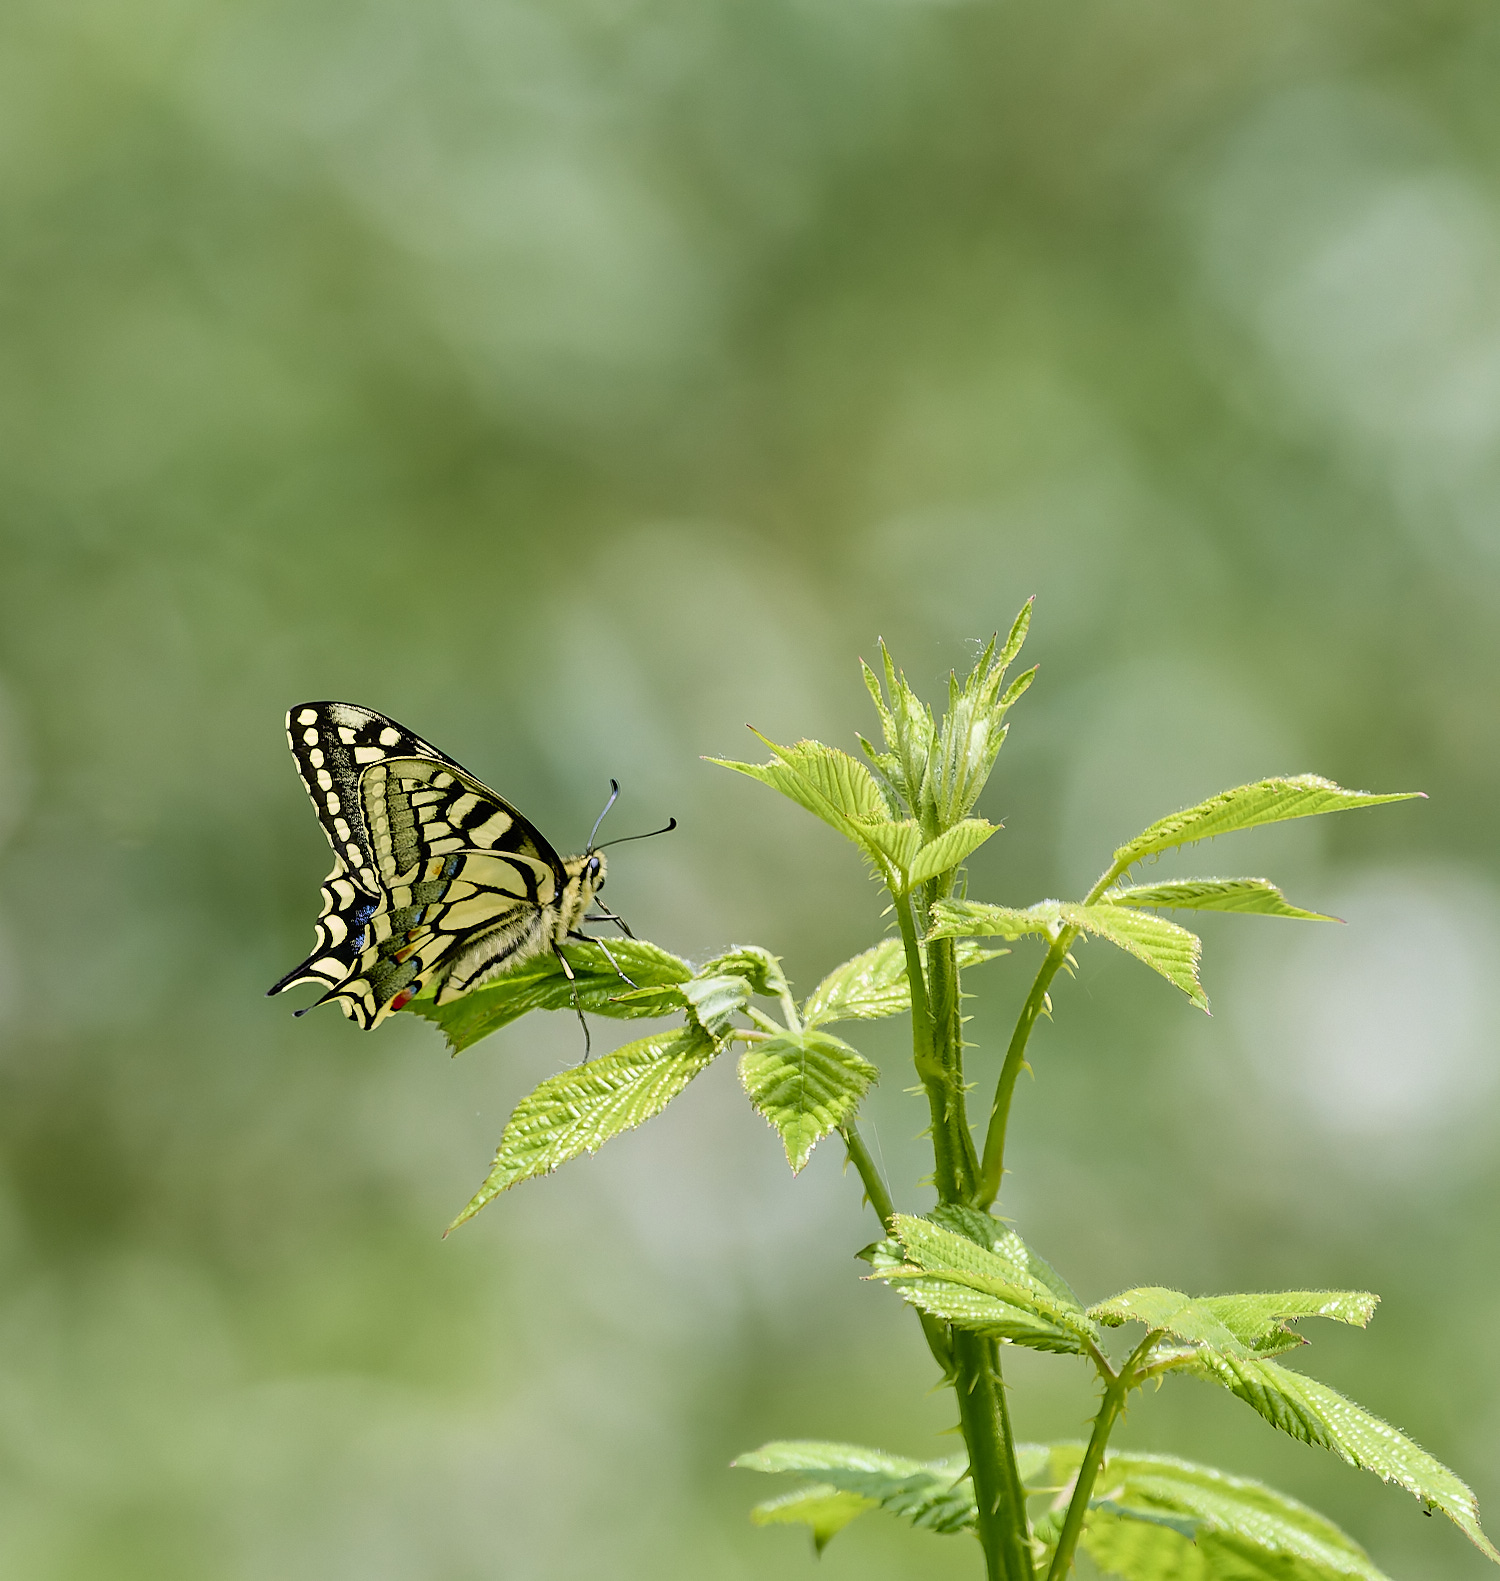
[(435, 877)]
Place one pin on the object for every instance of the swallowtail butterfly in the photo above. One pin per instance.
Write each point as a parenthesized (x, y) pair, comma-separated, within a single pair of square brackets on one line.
[(436, 879)]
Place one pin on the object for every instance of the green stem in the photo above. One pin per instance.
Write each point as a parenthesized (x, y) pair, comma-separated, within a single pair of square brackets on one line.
[(879, 1198), (975, 1370), (875, 1189), (1000, 1501), (948, 1048), (992, 1170), (1117, 1387), (944, 1092)]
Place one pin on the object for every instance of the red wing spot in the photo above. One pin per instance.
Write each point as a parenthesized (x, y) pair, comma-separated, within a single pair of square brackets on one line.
[(402, 999)]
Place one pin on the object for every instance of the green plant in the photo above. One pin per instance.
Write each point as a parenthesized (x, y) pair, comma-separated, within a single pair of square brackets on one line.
[(974, 1284)]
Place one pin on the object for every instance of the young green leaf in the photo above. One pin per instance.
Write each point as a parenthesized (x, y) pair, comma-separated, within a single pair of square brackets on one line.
[(1261, 1321), (873, 984), (716, 1000), (817, 1505), (845, 795), (828, 783), (1154, 1516), (934, 1494), (805, 1084), (758, 967), (952, 847), (1246, 807), (1257, 895), (1022, 1263), (1173, 1313), (1318, 1415), (951, 1277), (578, 1110), (540, 984), (910, 736), (1162, 945)]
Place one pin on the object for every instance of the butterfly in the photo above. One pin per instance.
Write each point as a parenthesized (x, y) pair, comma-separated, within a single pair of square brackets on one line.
[(436, 881)]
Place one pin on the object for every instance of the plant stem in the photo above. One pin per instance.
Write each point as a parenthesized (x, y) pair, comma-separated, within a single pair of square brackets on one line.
[(944, 1088), (1117, 1387), (875, 1189), (992, 1170), (985, 1420), (998, 1495)]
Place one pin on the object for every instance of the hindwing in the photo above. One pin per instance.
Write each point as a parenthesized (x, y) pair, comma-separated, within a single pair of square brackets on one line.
[(436, 879)]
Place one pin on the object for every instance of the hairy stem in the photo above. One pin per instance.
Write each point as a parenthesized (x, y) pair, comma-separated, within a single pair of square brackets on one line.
[(944, 1087), (1117, 1387), (1000, 1500), (992, 1169), (975, 1371), (875, 1188)]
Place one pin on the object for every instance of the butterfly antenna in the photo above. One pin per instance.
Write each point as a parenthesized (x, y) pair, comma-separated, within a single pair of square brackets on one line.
[(614, 796), (651, 834)]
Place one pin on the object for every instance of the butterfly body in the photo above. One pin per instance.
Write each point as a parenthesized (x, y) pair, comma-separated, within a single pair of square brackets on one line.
[(437, 881)]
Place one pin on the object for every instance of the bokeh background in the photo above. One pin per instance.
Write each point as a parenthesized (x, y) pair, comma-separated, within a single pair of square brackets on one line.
[(577, 380)]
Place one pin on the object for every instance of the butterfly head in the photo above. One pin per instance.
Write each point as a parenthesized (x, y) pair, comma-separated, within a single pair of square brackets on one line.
[(585, 876)]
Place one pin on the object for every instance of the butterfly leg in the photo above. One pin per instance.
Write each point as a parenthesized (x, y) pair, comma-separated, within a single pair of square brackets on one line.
[(562, 961), (585, 938), (606, 915)]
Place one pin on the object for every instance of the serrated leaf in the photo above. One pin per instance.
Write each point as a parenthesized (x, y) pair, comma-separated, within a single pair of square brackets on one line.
[(1258, 895), (540, 984), (1163, 946), (936, 1495), (1237, 1325), (953, 1278), (1025, 1264), (578, 1110), (805, 1085), (1311, 1411), (897, 841), (1173, 1313), (716, 1000), (950, 848), (1247, 807), (830, 784), (819, 1506), (1231, 1528), (758, 967), (968, 919), (972, 730), (1261, 1320), (874, 984)]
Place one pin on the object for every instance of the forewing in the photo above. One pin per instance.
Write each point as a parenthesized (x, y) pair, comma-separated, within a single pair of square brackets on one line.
[(435, 877), (336, 745)]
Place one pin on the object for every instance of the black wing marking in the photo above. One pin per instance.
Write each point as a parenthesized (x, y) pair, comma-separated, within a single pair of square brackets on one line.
[(435, 877)]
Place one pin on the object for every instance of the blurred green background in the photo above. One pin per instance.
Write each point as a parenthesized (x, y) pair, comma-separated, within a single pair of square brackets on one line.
[(576, 380)]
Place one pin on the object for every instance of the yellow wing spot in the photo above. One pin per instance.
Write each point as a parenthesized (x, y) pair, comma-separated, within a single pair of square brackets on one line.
[(462, 808), (368, 754), (310, 737), (341, 829), (490, 830), (389, 737), (346, 735), (308, 716), (315, 757), (325, 780), (334, 804)]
